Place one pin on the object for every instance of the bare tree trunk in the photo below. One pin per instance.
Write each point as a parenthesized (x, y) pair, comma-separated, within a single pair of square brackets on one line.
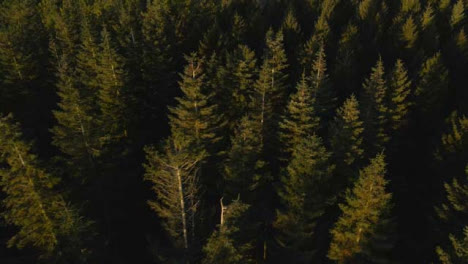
[(182, 209)]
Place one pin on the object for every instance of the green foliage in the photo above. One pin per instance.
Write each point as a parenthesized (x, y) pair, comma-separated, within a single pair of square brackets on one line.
[(271, 86), (226, 245), (375, 109), (302, 201), (173, 173), (458, 13), (44, 219), (301, 118), (431, 89), (346, 139), (399, 91), (409, 33), (366, 209), (455, 210), (195, 117)]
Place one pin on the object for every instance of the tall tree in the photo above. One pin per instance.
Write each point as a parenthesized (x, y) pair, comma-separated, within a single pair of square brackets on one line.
[(227, 244), (303, 198), (374, 109), (455, 211), (195, 116), (431, 90), (44, 219), (271, 86), (301, 117), (173, 173), (399, 91), (365, 211), (346, 140)]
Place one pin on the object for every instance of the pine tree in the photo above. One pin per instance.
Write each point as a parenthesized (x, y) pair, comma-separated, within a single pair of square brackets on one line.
[(346, 139), (322, 90), (362, 216), (399, 91), (304, 197), (194, 116), (271, 87), (173, 173), (301, 118), (458, 14), (244, 163), (456, 211), (431, 89), (76, 133), (112, 94), (374, 109), (44, 219), (227, 245), (243, 80), (409, 33)]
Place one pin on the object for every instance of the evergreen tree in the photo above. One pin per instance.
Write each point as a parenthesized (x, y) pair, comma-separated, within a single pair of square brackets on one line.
[(303, 197), (194, 116), (301, 118), (44, 219), (226, 245), (363, 215), (244, 163), (322, 90), (431, 90), (113, 101), (76, 132), (456, 211), (399, 90), (271, 86), (173, 173), (346, 139), (374, 109), (409, 33), (458, 14)]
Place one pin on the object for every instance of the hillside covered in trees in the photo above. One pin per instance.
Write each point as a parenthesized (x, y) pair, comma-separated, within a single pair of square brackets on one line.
[(233, 131)]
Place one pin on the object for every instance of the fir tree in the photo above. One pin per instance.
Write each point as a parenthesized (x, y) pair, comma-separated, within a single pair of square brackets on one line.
[(271, 87), (76, 132), (431, 89), (112, 93), (374, 109), (44, 219), (301, 118), (322, 90), (173, 173), (399, 90), (227, 245), (346, 139), (194, 116), (458, 14), (456, 211), (303, 197), (409, 33), (362, 216)]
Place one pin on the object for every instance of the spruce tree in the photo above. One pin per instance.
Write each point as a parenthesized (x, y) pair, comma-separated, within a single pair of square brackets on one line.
[(365, 211), (77, 131), (112, 93), (346, 140), (322, 90), (44, 219), (301, 118), (271, 86), (458, 14), (195, 116), (399, 89), (173, 173), (374, 109), (431, 90), (227, 245), (455, 211), (304, 198)]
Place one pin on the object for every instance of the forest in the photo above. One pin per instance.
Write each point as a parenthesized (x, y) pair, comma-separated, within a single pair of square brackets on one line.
[(233, 131)]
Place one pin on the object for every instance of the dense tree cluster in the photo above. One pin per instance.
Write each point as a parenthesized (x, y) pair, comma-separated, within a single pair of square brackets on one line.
[(233, 131)]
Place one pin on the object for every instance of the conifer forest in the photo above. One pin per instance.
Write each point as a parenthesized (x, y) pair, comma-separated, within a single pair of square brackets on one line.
[(233, 131)]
